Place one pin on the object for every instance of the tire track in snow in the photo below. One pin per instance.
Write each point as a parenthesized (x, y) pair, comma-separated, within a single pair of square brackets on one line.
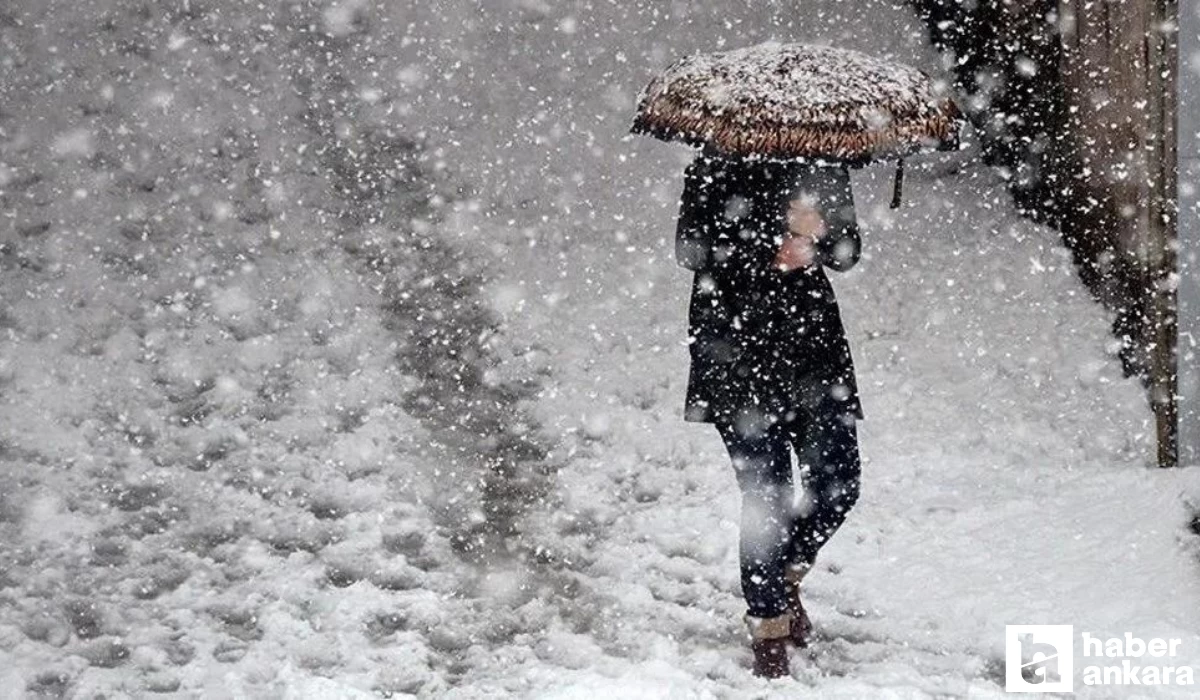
[(392, 221)]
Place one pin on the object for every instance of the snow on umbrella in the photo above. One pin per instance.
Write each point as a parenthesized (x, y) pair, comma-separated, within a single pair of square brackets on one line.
[(797, 101)]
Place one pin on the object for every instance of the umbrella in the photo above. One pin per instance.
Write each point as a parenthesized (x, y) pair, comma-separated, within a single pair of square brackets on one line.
[(796, 101)]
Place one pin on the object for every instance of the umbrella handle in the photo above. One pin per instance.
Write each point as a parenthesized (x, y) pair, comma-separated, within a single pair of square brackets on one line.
[(899, 185)]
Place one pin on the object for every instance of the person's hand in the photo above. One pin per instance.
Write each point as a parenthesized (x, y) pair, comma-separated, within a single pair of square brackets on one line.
[(805, 227), (795, 253), (804, 220)]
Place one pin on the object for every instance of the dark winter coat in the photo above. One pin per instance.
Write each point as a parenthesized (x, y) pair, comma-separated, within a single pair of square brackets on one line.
[(766, 345)]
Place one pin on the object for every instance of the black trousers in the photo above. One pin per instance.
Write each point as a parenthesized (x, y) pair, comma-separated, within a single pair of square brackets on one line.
[(781, 527)]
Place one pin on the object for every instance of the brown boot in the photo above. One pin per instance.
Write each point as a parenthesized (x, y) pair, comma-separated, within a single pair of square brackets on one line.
[(801, 627), (768, 641)]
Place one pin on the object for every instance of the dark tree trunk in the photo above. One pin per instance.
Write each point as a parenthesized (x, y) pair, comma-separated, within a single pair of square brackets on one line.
[(1074, 99)]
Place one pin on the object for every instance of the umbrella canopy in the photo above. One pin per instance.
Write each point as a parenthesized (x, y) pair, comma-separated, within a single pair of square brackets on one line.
[(797, 101)]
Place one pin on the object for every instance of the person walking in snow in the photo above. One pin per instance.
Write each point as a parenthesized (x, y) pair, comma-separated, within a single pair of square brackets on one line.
[(771, 367)]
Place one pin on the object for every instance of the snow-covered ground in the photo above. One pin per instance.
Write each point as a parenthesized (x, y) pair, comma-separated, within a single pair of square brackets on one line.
[(230, 466)]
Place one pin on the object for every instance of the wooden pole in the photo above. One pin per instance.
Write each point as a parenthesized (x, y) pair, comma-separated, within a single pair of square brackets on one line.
[(1187, 211), (1162, 50)]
